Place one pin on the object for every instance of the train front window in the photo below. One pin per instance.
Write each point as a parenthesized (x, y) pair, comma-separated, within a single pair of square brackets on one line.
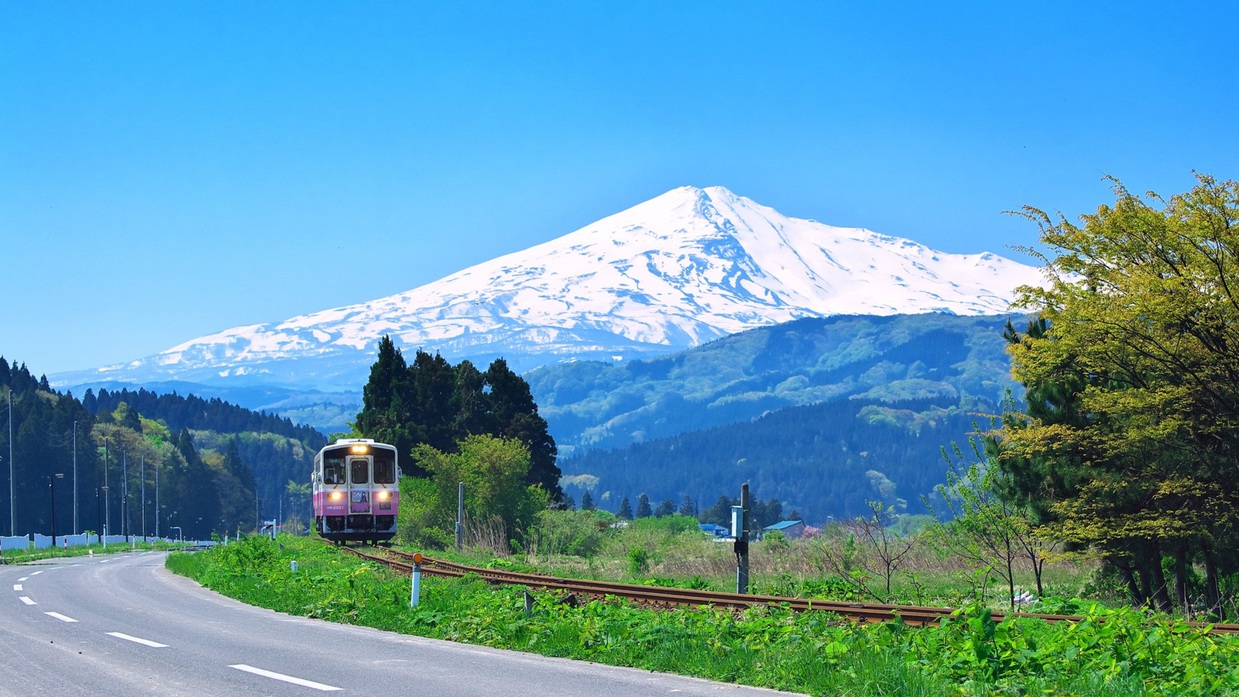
[(333, 470), (359, 470), (384, 468)]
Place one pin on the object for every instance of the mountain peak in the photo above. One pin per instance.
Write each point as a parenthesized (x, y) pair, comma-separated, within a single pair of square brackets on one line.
[(688, 266)]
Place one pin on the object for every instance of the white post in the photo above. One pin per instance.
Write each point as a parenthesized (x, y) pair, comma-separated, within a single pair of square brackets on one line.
[(416, 592)]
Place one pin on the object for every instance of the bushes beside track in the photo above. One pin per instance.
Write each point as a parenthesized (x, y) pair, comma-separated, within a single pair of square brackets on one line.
[(1113, 652)]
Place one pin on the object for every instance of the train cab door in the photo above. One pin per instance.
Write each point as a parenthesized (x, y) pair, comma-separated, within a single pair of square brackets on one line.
[(359, 484)]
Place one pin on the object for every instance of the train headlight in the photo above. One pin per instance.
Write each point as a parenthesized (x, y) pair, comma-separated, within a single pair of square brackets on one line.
[(335, 496), (383, 495), (360, 449)]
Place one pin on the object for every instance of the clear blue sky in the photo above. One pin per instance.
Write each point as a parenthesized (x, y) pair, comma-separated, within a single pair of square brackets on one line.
[(168, 170)]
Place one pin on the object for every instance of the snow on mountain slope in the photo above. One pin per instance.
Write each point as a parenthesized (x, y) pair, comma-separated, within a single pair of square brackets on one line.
[(678, 270)]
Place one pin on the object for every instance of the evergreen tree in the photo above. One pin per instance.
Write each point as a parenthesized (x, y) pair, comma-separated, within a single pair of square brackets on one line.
[(432, 384), (719, 513), (625, 509), (587, 501), (687, 508), (198, 511), (513, 406), (643, 506), (666, 508), (387, 406), (473, 414)]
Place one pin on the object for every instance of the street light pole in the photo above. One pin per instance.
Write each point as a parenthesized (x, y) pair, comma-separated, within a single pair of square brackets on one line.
[(12, 498), (107, 514), (74, 477), (125, 528)]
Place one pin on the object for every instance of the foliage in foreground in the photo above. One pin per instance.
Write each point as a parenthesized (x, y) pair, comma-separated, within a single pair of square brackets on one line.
[(1110, 653)]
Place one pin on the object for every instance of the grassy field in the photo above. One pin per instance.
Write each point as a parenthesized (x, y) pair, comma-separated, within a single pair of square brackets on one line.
[(1113, 652)]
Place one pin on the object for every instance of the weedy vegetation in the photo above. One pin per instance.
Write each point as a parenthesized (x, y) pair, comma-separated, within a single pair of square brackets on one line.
[(1111, 652)]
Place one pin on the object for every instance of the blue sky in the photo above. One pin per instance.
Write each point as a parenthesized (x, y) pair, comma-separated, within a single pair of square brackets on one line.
[(168, 170)]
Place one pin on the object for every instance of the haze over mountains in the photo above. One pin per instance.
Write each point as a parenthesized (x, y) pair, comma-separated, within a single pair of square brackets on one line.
[(684, 268)]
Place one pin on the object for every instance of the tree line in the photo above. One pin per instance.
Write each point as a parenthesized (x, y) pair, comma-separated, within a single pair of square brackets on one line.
[(205, 478), (433, 403)]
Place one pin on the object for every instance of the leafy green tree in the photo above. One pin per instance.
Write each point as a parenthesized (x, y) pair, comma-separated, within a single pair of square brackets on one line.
[(1141, 332), (493, 471), (982, 527)]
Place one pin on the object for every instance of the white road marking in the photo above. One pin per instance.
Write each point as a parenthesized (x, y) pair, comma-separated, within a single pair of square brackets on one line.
[(17, 586), (36, 573), (23, 579), (136, 640), (286, 678), (104, 561), (27, 601), (60, 617)]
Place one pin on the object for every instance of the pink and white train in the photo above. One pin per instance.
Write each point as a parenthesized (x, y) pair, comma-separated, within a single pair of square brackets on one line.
[(356, 494)]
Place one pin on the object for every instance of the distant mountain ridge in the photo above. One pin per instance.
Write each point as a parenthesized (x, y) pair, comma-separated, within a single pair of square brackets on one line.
[(679, 270)]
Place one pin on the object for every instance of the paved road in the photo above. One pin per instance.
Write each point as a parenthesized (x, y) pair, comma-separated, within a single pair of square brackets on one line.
[(124, 625)]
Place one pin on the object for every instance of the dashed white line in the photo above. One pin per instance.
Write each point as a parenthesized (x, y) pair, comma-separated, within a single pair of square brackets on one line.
[(36, 573), (60, 617), (26, 600), (286, 678), (138, 640), (17, 586), (23, 579)]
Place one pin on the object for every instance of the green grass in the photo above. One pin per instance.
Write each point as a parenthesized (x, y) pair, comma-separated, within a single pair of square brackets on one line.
[(1112, 652)]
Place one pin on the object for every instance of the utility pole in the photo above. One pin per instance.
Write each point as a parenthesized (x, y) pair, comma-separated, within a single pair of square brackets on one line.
[(74, 477), (124, 495), (740, 530), (12, 498), (156, 501), (107, 513), (144, 498)]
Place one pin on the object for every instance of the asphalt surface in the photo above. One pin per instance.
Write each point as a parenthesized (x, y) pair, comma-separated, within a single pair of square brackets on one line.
[(123, 625)]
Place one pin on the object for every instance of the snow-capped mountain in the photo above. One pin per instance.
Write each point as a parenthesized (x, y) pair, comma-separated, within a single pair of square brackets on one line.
[(681, 269)]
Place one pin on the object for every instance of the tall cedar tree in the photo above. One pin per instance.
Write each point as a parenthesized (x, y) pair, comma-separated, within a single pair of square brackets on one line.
[(431, 402)]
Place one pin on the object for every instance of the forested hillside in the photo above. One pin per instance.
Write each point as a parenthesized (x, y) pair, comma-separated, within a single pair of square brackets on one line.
[(217, 467), (959, 361), (824, 460)]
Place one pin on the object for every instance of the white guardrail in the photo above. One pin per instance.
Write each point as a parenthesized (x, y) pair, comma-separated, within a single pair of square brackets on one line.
[(24, 542)]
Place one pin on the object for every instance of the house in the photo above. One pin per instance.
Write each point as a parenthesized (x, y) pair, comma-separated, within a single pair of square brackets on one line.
[(791, 529), (714, 530)]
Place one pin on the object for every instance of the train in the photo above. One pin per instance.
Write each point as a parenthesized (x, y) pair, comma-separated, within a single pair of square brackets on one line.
[(356, 492)]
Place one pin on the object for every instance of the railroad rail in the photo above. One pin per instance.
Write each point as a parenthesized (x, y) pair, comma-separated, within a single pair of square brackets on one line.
[(661, 596)]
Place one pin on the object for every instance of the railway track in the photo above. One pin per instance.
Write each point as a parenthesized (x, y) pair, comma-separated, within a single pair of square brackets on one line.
[(675, 597)]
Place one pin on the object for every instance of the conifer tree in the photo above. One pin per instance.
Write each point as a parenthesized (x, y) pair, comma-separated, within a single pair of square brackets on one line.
[(643, 507), (625, 509), (513, 407), (687, 508), (587, 501)]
